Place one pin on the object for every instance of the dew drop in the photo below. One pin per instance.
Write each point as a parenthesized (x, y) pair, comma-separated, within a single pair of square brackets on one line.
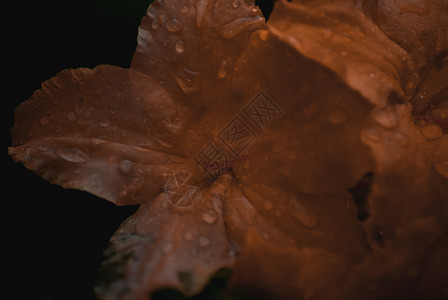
[(173, 25), (79, 104), (184, 9), (71, 116), (371, 134), (72, 155), (302, 214), (105, 123), (280, 145), (188, 236), (209, 216), (111, 109), (167, 248), (440, 39), (222, 69), (179, 46), (46, 119), (327, 32), (264, 35), (338, 116), (125, 166), (432, 131), (204, 241), (441, 163), (402, 140), (267, 204), (292, 155), (235, 3), (246, 164), (385, 117), (155, 24)]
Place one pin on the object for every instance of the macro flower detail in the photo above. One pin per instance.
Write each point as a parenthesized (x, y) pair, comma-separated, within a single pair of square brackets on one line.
[(308, 153)]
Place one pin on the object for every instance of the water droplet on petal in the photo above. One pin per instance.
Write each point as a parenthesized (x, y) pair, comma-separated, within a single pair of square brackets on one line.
[(79, 104), (440, 39), (167, 248), (155, 24), (402, 140), (173, 25), (222, 69), (267, 204), (235, 3), (180, 46), (327, 32), (264, 35), (302, 214), (71, 116), (432, 131), (72, 155), (442, 167), (188, 236), (209, 216), (385, 117), (105, 123), (265, 236), (280, 145), (338, 116), (125, 166), (371, 134), (204, 241), (184, 9)]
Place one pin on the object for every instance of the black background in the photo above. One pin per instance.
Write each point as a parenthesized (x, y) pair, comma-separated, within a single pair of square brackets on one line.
[(53, 238)]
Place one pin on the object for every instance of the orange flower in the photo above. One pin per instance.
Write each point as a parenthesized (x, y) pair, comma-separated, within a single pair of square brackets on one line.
[(308, 154)]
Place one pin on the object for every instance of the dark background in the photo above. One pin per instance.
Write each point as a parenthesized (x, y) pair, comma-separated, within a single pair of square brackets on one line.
[(54, 238)]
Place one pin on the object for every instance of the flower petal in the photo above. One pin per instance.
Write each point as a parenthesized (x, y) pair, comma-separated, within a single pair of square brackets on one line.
[(419, 27), (407, 154), (166, 246), (106, 131), (344, 40), (190, 48)]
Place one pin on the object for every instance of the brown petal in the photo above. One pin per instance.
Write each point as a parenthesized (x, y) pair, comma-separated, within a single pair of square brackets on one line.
[(314, 147), (106, 131), (407, 154), (419, 27), (190, 48), (341, 38), (267, 272), (167, 246)]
